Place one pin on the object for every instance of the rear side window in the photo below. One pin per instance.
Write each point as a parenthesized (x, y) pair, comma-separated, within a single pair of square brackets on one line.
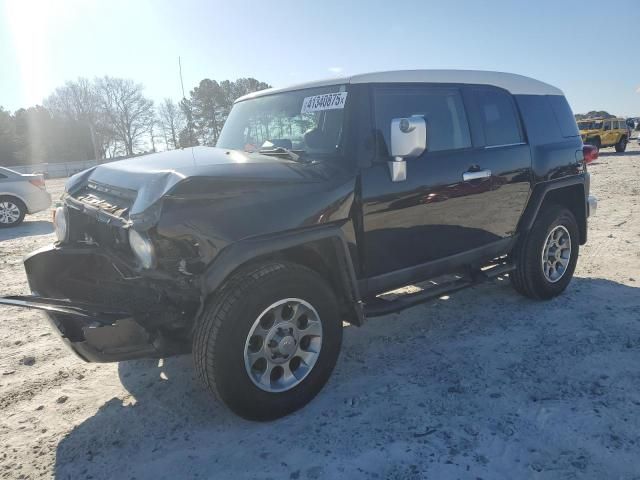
[(564, 115), (2, 176), (499, 118), (442, 108)]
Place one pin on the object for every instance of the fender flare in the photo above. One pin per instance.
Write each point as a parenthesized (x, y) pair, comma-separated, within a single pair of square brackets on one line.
[(239, 253), (539, 194)]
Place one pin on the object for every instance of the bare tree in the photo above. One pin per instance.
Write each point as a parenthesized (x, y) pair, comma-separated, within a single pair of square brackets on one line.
[(171, 122), (128, 111), (107, 138), (78, 101)]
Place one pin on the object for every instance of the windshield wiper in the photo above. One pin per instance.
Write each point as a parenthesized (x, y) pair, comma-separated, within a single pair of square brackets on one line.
[(296, 155)]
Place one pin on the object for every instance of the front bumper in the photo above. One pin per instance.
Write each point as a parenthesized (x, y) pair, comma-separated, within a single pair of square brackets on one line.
[(101, 311), (91, 331)]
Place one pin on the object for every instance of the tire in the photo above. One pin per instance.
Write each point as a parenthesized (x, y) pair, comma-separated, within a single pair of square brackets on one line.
[(529, 277), (12, 212), (621, 146), (225, 335)]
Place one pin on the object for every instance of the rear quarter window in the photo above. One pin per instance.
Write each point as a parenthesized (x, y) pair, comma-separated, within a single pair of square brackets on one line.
[(539, 119), (564, 115), (499, 117)]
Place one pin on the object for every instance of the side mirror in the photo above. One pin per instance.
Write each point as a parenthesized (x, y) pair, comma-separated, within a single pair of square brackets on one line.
[(408, 139)]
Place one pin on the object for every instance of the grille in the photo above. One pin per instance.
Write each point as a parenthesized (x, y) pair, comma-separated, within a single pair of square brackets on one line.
[(107, 200), (86, 229)]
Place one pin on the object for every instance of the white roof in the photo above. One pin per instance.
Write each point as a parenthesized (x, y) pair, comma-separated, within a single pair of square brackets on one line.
[(515, 84)]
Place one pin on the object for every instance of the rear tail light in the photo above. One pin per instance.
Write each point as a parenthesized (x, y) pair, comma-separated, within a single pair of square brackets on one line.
[(38, 182), (590, 153)]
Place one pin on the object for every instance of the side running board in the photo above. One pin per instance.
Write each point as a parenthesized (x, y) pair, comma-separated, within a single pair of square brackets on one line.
[(397, 300)]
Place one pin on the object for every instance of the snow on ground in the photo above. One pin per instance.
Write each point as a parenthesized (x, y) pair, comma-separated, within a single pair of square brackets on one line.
[(485, 384)]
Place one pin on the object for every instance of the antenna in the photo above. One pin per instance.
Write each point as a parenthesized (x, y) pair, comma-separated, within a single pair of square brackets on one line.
[(181, 82), (188, 110)]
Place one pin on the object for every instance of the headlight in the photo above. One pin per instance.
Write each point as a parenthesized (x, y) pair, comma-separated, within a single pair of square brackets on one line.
[(142, 248), (61, 224)]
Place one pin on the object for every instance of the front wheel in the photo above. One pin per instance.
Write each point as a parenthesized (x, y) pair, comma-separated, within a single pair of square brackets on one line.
[(268, 342), (546, 258)]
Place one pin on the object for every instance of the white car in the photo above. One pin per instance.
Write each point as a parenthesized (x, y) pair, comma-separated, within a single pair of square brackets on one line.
[(21, 194)]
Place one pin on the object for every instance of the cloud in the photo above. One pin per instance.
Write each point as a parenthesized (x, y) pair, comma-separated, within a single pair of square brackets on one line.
[(638, 89), (335, 69)]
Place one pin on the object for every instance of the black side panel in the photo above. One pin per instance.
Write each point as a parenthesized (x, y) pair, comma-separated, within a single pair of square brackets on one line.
[(436, 213), (553, 155), (557, 159)]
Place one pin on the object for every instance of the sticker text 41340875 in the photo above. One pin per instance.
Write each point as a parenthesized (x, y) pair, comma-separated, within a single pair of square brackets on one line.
[(327, 101)]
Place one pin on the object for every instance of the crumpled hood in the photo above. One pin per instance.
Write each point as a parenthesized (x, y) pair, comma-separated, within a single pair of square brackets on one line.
[(150, 177)]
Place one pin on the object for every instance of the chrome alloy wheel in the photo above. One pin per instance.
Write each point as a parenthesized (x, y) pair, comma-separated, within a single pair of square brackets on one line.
[(283, 345), (556, 254), (9, 212)]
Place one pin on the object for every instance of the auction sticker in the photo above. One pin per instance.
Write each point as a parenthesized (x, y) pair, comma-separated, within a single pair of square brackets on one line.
[(327, 101)]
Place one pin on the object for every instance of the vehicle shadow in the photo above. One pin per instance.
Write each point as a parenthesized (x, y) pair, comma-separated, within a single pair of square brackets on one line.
[(27, 229), (616, 154), (172, 428)]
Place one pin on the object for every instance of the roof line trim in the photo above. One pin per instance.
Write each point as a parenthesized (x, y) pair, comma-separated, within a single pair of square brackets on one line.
[(513, 83)]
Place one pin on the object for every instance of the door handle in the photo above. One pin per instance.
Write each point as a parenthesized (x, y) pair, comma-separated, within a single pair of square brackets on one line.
[(468, 176)]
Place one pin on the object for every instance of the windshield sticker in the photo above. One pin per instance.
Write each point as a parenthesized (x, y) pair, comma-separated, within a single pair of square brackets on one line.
[(328, 101)]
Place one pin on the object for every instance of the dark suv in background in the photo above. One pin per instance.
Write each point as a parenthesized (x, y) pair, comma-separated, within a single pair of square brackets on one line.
[(318, 200)]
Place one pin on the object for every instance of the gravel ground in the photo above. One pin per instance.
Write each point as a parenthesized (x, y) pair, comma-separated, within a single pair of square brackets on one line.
[(482, 384)]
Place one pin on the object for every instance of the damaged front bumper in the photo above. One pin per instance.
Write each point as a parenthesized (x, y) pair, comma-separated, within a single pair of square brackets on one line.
[(103, 311)]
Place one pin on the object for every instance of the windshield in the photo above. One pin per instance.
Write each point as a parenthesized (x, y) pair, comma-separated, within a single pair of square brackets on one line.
[(590, 125), (308, 120)]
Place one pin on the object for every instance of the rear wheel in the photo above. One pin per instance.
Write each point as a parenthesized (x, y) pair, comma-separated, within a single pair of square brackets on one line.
[(546, 259), (621, 146), (268, 342), (12, 212)]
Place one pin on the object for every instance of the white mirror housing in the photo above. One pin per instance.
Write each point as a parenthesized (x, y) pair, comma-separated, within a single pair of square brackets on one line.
[(408, 139)]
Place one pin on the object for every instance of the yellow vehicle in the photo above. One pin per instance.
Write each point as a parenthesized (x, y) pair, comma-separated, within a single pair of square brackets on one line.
[(605, 132)]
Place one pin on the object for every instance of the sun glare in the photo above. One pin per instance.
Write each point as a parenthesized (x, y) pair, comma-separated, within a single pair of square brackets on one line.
[(31, 24)]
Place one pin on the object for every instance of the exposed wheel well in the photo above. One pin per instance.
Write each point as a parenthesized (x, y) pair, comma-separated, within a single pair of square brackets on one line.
[(11, 197), (571, 197), (323, 257)]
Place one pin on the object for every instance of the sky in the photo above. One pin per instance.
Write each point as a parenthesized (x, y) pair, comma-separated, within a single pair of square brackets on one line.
[(587, 48)]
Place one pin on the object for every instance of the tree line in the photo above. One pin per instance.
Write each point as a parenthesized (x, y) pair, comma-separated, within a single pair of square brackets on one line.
[(110, 117), (593, 114)]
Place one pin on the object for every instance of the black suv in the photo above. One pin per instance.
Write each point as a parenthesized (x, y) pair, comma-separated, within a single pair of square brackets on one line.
[(318, 201)]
